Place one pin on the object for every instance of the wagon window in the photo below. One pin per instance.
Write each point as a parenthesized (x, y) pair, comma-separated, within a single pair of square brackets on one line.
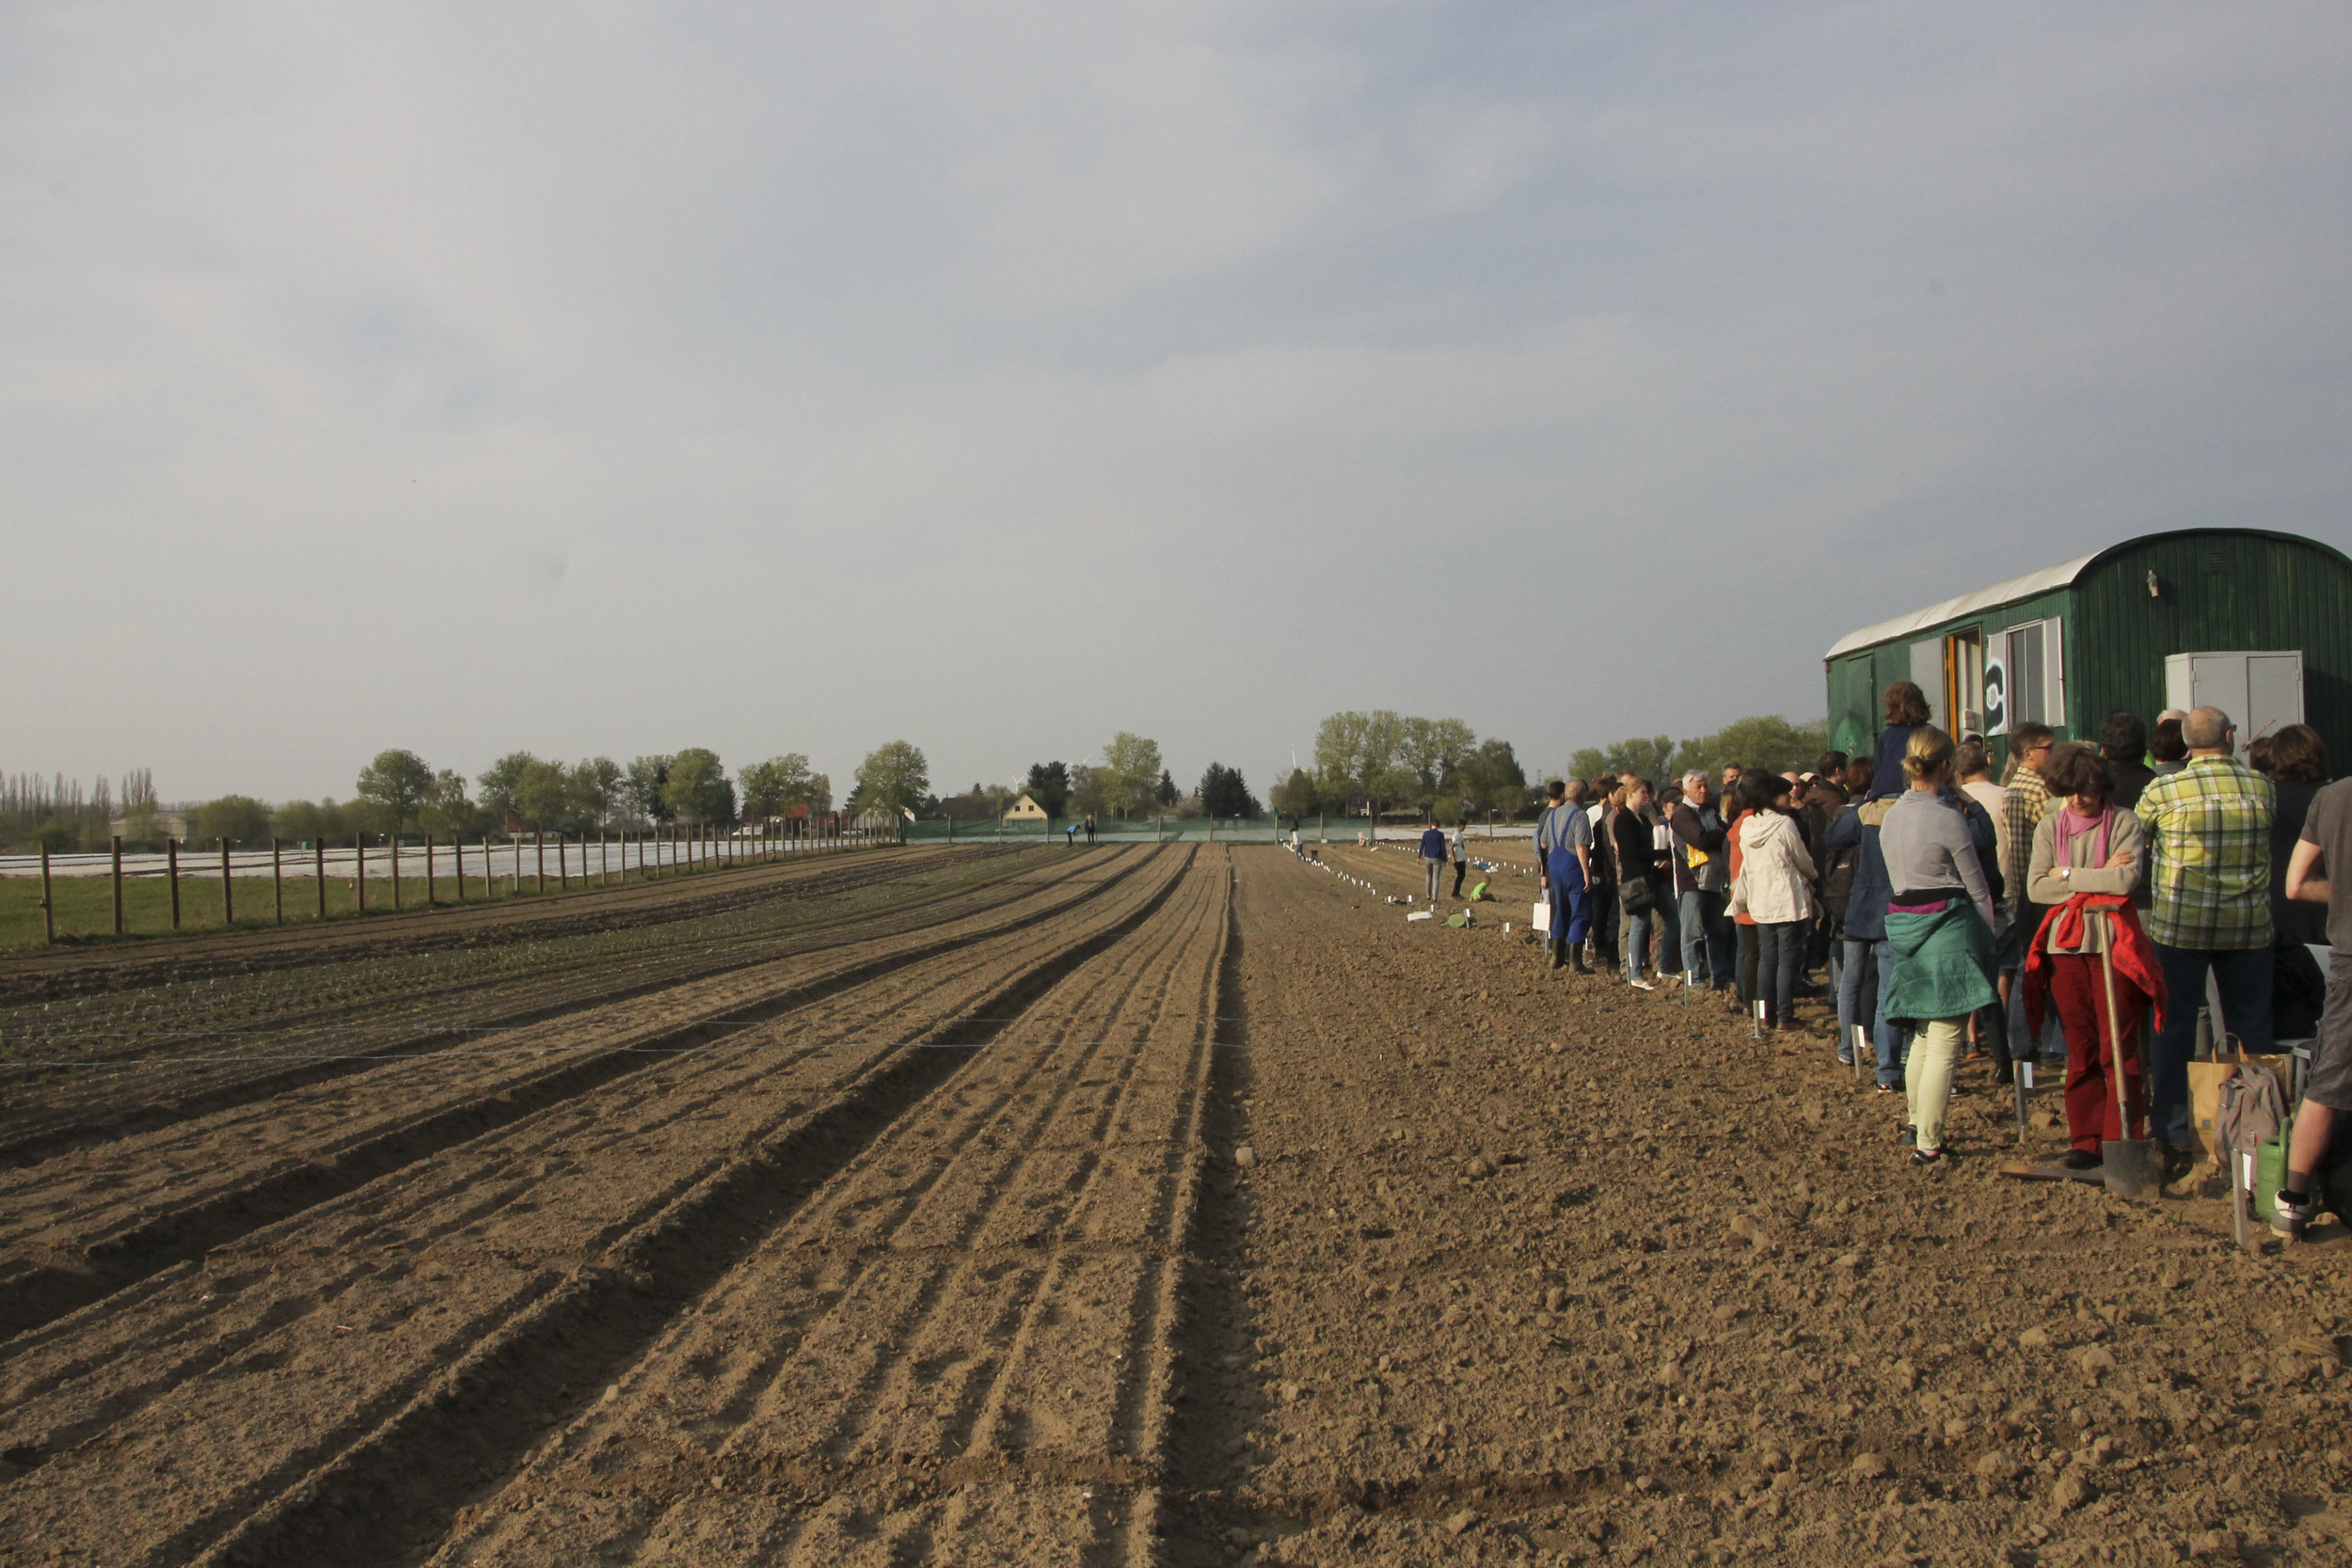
[(2035, 673)]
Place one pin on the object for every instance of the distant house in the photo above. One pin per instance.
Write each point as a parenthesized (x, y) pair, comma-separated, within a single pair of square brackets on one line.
[(167, 824), (1026, 810)]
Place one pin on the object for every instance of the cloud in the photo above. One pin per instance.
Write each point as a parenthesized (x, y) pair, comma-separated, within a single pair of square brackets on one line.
[(598, 379)]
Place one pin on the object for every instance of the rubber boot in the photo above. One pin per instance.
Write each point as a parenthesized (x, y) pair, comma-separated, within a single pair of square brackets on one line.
[(1552, 955), (1581, 967)]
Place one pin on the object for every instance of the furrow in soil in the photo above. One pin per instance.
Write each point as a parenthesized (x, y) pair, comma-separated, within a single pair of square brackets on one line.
[(77, 1229), (145, 1057), (956, 1350), (480, 1290)]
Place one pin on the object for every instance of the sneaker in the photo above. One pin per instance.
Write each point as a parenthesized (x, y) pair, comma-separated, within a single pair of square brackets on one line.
[(2289, 1220), (2081, 1159), (1887, 1088), (2171, 1164), (1906, 1133), (1922, 1157), (1845, 1061), (1641, 985)]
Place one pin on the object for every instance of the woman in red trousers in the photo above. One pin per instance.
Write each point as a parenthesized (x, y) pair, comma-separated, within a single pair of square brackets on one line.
[(2088, 860)]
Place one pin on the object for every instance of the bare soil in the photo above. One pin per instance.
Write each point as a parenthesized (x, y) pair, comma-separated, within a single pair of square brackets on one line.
[(1177, 1204)]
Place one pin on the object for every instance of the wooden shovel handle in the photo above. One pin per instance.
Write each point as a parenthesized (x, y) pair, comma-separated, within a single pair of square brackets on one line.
[(2115, 1032)]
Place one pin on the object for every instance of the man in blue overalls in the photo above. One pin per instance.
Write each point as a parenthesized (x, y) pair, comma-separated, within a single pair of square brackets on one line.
[(1564, 848)]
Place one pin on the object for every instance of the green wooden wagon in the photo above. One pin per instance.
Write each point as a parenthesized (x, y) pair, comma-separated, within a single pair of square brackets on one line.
[(2254, 623)]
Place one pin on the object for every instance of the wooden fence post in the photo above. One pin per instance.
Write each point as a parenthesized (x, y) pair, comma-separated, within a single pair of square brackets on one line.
[(118, 853), (395, 843), (278, 875), (228, 891), (539, 844), (563, 861), (457, 850), (428, 871), (359, 869), (48, 910), (171, 854), (604, 856), (318, 853)]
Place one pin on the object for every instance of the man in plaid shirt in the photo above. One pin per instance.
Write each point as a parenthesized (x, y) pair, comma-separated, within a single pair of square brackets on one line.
[(2209, 871), (2022, 807)]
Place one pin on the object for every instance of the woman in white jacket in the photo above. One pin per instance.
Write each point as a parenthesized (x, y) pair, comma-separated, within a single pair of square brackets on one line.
[(1775, 887)]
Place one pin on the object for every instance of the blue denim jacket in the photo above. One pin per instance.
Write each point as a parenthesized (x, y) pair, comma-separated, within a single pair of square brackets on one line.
[(1865, 907)]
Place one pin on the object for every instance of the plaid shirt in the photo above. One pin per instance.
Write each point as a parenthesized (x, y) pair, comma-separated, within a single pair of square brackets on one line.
[(2022, 811), (2209, 862)]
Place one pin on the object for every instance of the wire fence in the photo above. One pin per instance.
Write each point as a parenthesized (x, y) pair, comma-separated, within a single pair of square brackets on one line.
[(445, 871)]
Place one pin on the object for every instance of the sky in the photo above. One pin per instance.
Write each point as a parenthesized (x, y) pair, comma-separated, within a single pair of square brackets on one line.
[(589, 378)]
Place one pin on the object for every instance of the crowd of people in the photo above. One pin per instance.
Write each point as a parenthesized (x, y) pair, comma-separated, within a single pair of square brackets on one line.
[(2084, 906)]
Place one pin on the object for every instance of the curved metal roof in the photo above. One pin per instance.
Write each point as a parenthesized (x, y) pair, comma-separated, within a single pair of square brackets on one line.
[(1952, 610), (2062, 575)]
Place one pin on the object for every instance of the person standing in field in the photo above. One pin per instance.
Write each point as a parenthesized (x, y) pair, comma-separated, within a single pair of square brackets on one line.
[(2325, 845), (2088, 849), (2209, 877), (1853, 846), (2025, 801), (1666, 922), (1090, 827), (1633, 850), (2167, 751), (2298, 771), (1773, 886), (1702, 879), (1939, 923), (1563, 838), (1973, 769), (1459, 843), (1600, 871), (1432, 856), (2123, 741), (1906, 709)]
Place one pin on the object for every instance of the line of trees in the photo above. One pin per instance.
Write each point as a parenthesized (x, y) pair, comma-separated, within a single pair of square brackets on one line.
[(58, 814), (1764, 740), (1132, 779), (1390, 761), (1383, 759), (400, 792)]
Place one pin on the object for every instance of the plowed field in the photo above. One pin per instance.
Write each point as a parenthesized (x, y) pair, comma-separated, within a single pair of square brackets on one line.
[(1175, 1204)]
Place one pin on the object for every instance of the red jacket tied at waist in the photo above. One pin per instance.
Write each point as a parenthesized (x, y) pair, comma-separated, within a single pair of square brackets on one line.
[(2134, 955)]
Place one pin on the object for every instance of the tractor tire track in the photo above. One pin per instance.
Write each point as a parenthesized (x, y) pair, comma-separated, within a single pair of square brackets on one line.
[(903, 1341), (84, 1111)]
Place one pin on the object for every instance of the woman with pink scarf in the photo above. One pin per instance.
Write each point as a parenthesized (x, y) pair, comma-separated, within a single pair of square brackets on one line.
[(2091, 845)]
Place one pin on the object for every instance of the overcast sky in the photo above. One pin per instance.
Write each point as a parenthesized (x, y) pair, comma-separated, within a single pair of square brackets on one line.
[(590, 378)]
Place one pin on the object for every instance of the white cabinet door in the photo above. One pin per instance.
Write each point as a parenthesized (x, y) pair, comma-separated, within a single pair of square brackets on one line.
[(2260, 692), (2274, 693)]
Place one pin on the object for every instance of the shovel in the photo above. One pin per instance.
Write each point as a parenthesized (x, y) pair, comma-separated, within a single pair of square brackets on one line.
[(2129, 1170)]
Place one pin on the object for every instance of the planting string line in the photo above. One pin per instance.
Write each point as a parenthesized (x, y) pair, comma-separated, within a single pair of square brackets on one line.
[(652, 1051), (516, 1028)]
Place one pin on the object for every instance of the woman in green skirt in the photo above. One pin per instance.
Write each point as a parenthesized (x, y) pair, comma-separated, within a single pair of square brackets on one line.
[(1939, 922)]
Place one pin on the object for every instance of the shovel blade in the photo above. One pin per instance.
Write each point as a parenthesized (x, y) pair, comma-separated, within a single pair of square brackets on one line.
[(2130, 1169)]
